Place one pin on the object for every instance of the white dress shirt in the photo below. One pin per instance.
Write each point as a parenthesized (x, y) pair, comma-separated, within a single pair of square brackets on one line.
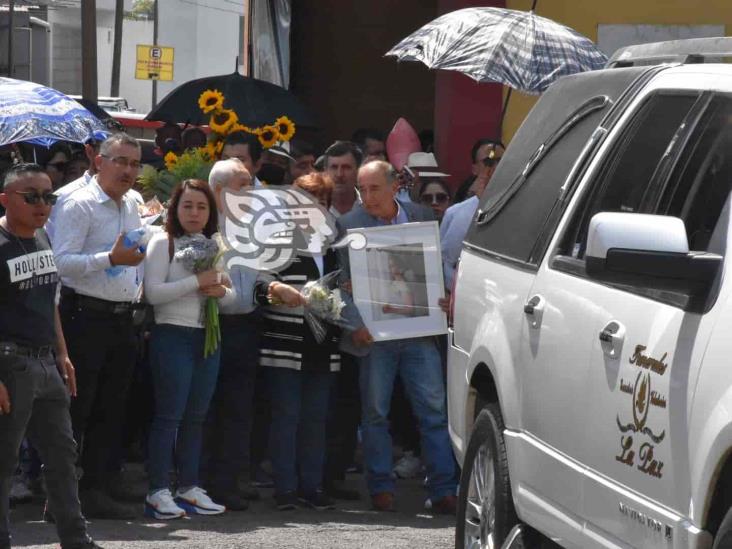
[(87, 224), (63, 193), (67, 190), (454, 228)]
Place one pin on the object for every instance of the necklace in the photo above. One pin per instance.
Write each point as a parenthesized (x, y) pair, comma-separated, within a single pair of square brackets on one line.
[(4, 224)]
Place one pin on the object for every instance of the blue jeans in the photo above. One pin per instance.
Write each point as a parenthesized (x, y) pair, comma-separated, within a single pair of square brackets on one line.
[(297, 432), (417, 361), (184, 383)]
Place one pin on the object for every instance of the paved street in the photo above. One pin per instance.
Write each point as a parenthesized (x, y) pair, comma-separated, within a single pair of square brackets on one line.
[(262, 526)]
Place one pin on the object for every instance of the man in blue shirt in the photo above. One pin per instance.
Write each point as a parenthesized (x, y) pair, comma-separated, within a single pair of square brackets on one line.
[(231, 411), (415, 360)]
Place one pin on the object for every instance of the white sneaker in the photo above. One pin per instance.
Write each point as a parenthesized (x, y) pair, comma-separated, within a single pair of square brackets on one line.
[(161, 506), (409, 466), (19, 490), (196, 502)]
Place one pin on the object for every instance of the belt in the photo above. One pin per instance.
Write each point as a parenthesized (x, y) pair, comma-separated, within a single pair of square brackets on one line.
[(12, 348), (99, 305)]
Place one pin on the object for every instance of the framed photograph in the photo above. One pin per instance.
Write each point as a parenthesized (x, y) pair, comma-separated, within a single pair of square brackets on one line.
[(397, 280)]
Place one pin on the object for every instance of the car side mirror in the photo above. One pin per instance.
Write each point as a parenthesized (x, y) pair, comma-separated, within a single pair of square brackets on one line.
[(649, 251)]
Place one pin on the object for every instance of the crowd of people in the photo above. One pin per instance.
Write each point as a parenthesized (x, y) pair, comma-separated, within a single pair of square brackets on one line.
[(90, 384)]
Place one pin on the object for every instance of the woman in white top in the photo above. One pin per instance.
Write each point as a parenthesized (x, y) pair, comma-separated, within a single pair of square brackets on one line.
[(183, 380)]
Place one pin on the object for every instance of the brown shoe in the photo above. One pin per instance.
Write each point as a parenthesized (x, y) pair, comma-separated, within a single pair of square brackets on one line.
[(445, 506), (383, 501)]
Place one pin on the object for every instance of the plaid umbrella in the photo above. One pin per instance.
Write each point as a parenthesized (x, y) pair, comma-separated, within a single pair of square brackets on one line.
[(516, 48)]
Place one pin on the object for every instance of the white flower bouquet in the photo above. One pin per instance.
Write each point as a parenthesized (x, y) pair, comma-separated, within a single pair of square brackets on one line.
[(324, 305)]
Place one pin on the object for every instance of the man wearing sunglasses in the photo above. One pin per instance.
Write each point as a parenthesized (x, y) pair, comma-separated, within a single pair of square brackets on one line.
[(96, 311), (36, 375), (91, 149), (486, 155)]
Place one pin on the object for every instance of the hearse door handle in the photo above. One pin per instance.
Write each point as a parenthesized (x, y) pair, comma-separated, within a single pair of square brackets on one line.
[(534, 310), (611, 338)]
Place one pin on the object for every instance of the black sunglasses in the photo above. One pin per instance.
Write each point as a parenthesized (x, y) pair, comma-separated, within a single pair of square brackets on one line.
[(434, 198), (60, 165), (33, 197), (490, 162)]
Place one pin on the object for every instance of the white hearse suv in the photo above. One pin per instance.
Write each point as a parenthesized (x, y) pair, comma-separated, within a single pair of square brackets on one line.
[(590, 355)]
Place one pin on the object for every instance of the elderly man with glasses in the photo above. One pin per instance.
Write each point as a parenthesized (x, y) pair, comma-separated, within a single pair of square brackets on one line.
[(99, 283)]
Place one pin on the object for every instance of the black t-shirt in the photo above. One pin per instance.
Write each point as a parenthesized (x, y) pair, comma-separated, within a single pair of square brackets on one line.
[(28, 280)]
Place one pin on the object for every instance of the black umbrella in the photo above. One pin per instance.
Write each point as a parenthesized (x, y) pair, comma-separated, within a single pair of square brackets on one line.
[(94, 108), (104, 117), (255, 102)]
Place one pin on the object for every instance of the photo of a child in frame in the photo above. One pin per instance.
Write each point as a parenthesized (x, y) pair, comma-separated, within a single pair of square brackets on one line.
[(397, 282)]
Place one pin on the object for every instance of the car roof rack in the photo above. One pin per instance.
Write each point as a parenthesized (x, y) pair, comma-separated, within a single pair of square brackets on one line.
[(693, 50)]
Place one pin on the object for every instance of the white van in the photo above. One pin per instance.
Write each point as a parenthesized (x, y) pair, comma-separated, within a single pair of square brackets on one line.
[(590, 356)]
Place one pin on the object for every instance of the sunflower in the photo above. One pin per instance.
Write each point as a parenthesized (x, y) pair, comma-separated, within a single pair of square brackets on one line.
[(213, 148), (268, 136), (219, 147), (285, 127), (171, 159), (240, 128), (222, 120), (211, 100)]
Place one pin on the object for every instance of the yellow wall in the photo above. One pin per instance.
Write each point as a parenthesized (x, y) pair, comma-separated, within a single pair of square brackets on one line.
[(585, 15)]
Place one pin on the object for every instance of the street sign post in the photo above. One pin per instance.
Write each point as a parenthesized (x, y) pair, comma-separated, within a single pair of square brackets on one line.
[(154, 63)]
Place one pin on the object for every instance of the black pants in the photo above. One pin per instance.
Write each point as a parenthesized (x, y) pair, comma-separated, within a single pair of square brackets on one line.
[(102, 348), (229, 424), (343, 419), (39, 404)]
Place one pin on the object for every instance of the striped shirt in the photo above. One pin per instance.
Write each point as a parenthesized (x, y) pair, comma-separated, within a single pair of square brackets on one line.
[(287, 340)]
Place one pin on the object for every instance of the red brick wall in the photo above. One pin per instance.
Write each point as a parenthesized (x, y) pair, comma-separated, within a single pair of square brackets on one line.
[(464, 109), (338, 66)]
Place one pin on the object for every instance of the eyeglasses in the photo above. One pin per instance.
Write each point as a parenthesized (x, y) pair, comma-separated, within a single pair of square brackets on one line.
[(60, 166), (33, 197), (123, 162), (490, 162), (434, 198)]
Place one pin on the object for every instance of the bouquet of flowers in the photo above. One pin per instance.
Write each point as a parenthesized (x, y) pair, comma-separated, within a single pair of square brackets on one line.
[(324, 304), (198, 254)]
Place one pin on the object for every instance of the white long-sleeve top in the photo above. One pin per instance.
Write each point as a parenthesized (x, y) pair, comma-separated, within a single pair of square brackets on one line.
[(172, 289)]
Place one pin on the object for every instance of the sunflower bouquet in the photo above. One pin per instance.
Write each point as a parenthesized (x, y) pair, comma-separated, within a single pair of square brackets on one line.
[(192, 164), (225, 121)]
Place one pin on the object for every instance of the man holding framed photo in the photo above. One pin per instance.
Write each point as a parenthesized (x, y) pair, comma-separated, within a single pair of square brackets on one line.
[(416, 360)]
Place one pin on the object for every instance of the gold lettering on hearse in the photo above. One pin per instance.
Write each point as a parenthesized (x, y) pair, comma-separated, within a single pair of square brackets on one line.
[(639, 453), (657, 366)]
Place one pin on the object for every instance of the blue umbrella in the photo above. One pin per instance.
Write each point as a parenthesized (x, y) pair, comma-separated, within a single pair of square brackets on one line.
[(36, 114), (517, 48)]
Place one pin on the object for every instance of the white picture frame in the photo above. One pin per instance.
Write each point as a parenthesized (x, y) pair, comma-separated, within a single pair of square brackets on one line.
[(397, 280)]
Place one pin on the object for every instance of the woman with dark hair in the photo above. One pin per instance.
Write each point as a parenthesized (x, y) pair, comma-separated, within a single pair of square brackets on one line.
[(435, 194), (77, 165), (183, 378), (58, 156), (300, 372)]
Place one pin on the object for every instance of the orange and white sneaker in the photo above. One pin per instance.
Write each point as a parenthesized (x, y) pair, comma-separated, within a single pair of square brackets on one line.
[(160, 505), (195, 501)]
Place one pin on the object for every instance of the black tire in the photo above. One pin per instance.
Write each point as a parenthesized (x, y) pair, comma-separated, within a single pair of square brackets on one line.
[(486, 444), (723, 539)]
